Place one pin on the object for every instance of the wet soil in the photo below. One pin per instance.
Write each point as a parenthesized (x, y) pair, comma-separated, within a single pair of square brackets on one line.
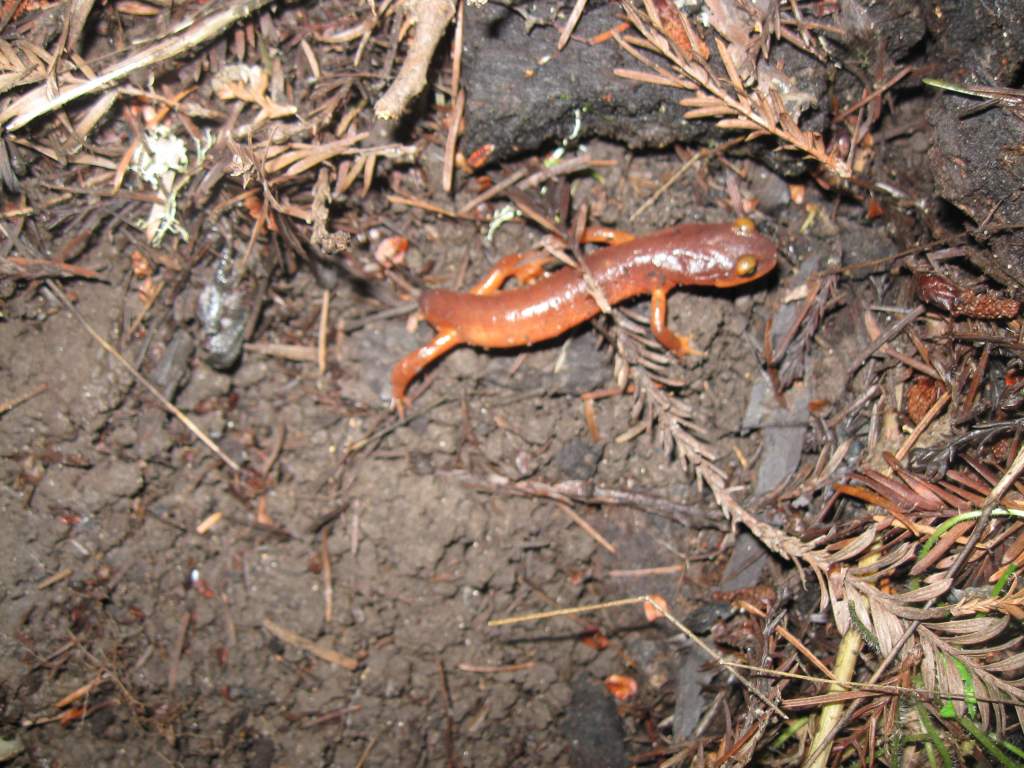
[(105, 490), (389, 545)]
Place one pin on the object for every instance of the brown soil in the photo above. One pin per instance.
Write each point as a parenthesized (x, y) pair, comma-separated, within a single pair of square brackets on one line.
[(101, 483), (390, 544)]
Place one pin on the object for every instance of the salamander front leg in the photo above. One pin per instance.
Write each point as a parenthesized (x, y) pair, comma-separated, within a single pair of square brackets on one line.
[(673, 342), (606, 236), (409, 367), (528, 266), (525, 267)]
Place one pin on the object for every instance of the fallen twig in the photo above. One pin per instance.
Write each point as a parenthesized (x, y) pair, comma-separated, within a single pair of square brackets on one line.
[(329, 655), (430, 19), (14, 402), (188, 34)]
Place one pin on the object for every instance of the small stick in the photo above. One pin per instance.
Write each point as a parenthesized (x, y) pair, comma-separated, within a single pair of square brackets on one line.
[(208, 522), (856, 688), (49, 581), (449, 728), (24, 267), (485, 669), (426, 205), (366, 752), (460, 13), (297, 353), (564, 168), (703, 154), (276, 445), (187, 34), (792, 639), (893, 331), (452, 142), (14, 402), (79, 692), (430, 20), (460, 101), (590, 530), (658, 570), (571, 22), (877, 92), (926, 422), (178, 650), (361, 442), (649, 601), (321, 346), (321, 652), (325, 565), (497, 189)]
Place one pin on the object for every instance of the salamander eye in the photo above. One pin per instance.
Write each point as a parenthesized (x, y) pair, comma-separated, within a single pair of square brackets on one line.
[(744, 226), (746, 266)]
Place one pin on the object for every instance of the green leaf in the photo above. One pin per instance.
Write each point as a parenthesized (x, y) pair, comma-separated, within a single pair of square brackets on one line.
[(986, 743), (934, 737), (970, 697)]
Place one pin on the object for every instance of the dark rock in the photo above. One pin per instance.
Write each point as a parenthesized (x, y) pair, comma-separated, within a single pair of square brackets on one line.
[(587, 366), (895, 24), (747, 564), (692, 675), (782, 431), (260, 753), (978, 169), (977, 37), (223, 313), (976, 163), (593, 728), (578, 459), (105, 725), (174, 367), (524, 94)]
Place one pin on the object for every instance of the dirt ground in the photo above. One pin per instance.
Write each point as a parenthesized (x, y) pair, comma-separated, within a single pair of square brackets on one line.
[(100, 483), (335, 612)]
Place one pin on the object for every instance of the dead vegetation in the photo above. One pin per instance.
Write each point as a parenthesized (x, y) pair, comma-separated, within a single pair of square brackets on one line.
[(909, 520)]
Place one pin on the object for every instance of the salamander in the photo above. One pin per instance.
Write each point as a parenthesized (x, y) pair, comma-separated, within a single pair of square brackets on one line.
[(715, 255)]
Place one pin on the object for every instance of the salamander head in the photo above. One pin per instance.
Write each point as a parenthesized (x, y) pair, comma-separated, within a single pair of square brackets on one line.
[(734, 254)]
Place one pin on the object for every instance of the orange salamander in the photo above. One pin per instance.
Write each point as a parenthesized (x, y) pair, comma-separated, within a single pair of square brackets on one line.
[(715, 255)]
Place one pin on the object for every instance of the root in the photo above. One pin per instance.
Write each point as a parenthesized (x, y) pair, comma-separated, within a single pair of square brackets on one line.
[(430, 19)]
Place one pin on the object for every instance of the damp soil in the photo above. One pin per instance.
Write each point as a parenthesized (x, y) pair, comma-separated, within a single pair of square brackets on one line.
[(330, 604), (105, 490)]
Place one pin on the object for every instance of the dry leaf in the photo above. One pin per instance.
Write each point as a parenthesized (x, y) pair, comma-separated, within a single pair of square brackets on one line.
[(133, 8), (141, 267), (657, 610), (249, 83), (596, 640), (390, 252), (148, 291), (622, 687)]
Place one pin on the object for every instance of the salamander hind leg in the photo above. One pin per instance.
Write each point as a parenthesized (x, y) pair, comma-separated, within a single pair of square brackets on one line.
[(409, 367), (673, 342)]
